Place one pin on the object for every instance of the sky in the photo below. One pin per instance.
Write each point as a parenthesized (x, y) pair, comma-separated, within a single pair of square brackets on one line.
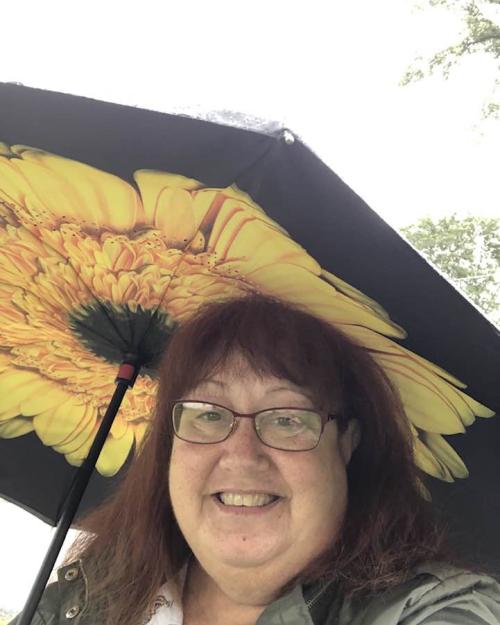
[(328, 71)]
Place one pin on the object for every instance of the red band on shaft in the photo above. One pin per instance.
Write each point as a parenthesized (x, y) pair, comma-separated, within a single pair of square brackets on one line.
[(126, 371)]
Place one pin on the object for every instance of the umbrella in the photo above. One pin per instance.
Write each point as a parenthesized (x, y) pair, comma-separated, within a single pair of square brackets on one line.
[(117, 223)]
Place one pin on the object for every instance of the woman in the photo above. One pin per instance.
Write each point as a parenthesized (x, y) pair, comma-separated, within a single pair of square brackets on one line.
[(276, 485)]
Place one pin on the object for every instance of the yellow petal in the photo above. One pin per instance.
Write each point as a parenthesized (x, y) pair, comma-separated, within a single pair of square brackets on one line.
[(119, 427), (377, 343), (206, 205), (410, 373), (152, 183), (442, 422), (298, 286), (12, 184), (82, 441), (5, 149), (358, 296), (55, 425), (242, 199), (73, 460), (41, 402), (426, 460), (256, 244), (428, 409), (82, 436), (174, 216), (445, 453), (30, 242), (214, 207), (15, 427), (70, 190), (140, 430), (16, 386), (112, 249), (114, 453)]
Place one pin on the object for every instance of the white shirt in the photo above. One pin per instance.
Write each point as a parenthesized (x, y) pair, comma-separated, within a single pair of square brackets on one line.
[(166, 609)]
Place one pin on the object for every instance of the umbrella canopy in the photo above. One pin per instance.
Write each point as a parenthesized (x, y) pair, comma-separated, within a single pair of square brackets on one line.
[(117, 223)]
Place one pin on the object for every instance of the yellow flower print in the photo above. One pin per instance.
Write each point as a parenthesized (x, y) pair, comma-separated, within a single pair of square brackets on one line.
[(83, 251)]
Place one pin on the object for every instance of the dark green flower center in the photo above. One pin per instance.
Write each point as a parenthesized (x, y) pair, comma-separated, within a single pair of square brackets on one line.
[(117, 333)]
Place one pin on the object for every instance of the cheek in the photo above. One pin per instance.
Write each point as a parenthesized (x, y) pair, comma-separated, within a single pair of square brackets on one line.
[(324, 487), (179, 479), (186, 476)]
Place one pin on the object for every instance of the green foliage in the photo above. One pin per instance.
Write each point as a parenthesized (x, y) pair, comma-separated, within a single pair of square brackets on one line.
[(467, 251), (481, 35)]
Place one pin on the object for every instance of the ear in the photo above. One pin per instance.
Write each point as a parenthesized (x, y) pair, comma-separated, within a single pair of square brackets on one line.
[(349, 440)]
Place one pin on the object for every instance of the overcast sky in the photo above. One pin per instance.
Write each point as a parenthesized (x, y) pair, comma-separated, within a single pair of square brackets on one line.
[(329, 71)]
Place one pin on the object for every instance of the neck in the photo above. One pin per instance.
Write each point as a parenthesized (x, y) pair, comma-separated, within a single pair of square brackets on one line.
[(203, 596)]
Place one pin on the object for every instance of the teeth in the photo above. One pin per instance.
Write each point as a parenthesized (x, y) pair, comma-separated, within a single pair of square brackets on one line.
[(233, 499)]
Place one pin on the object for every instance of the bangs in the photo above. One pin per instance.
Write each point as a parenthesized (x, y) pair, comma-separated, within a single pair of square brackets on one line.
[(273, 338)]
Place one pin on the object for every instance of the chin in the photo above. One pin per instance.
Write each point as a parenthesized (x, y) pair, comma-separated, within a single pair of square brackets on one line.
[(245, 552)]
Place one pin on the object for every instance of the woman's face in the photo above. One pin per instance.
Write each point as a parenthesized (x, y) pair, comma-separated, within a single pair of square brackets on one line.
[(312, 484)]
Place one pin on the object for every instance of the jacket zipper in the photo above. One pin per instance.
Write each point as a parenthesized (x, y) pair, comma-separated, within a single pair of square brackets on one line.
[(312, 601)]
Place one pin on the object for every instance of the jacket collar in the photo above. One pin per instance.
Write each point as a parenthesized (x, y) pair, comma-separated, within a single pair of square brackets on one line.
[(306, 605), (73, 591)]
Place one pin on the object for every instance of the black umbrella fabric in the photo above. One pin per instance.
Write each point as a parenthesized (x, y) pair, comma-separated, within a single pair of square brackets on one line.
[(117, 223)]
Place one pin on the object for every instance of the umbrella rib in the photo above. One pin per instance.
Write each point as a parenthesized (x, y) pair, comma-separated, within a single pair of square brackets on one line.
[(131, 329), (155, 313), (268, 152), (108, 317), (93, 331)]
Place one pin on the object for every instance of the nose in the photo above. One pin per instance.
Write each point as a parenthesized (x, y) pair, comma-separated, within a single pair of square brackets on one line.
[(243, 445), (244, 432)]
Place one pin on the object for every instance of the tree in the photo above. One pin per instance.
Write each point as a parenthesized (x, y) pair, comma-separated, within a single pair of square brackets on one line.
[(481, 34), (467, 251)]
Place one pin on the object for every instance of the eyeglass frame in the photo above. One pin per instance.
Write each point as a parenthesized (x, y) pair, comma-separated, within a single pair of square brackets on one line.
[(325, 418)]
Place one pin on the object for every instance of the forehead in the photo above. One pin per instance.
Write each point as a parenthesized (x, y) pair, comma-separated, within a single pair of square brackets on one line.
[(237, 370)]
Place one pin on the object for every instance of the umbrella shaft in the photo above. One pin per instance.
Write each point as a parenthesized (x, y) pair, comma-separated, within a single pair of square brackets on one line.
[(71, 504)]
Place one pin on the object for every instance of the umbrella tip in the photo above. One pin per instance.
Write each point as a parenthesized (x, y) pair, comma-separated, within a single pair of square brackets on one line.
[(287, 136)]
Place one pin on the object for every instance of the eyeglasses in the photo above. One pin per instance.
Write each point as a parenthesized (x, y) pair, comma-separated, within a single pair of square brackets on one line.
[(290, 429)]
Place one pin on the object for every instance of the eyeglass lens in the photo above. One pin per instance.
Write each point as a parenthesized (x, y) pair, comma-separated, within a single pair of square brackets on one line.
[(283, 428)]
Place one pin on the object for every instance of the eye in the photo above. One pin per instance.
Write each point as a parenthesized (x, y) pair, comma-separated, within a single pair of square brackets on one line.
[(283, 419), (210, 415)]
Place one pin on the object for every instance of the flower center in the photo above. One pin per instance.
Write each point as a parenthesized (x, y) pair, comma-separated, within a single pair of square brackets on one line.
[(115, 332)]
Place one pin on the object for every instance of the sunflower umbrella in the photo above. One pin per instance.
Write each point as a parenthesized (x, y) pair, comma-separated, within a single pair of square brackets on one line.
[(116, 224)]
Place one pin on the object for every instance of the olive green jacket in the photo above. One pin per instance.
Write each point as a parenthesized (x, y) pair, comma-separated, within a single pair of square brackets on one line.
[(434, 595)]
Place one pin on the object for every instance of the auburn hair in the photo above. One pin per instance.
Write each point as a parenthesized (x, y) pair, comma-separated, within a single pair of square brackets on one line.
[(132, 544)]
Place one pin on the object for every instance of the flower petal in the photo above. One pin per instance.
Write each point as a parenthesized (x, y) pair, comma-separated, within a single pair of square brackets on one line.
[(297, 286), (68, 190), (16, 427), (36, 403), (427, 461), (55, 425), (358, 296), (82, 435), (174, 216), (151, 184), (445, 453), (114, 453), (379, 344), (15, 386)]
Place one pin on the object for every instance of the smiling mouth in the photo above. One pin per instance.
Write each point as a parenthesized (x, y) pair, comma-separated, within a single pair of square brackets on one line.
[(273, 499)]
